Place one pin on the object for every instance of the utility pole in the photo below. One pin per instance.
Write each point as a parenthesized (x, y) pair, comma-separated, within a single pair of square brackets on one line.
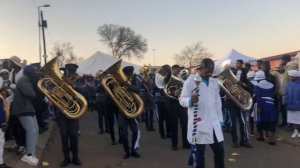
[(153, 57), (44, 25)]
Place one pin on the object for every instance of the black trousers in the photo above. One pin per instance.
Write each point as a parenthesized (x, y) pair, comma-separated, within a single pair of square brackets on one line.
[(124, 123), (217, 148), (112, 117), (176, 111), (101, 108), (236, 114), (163, 119), (283, 114), (17, 130), (148, 110), (69, 134)]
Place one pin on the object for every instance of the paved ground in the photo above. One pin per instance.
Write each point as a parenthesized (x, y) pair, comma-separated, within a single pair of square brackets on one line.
[(96, 151)]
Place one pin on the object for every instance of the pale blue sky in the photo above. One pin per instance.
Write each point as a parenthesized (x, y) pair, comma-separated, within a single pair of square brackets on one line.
[(253, 27)]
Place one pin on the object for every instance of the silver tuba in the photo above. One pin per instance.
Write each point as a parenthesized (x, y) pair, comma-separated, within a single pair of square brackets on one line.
[(172, 85), (230, 86)]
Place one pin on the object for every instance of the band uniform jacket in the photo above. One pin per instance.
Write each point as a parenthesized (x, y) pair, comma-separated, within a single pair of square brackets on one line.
[(209, 112)]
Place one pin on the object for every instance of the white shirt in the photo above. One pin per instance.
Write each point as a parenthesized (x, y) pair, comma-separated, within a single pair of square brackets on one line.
[(209, 110), (238, 74)]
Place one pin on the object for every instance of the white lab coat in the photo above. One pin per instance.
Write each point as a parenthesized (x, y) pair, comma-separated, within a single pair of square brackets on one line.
[(209, 110)]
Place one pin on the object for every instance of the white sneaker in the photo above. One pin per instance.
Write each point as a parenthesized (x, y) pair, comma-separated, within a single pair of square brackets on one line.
[(295, 133), (298, 136), (30, 160)]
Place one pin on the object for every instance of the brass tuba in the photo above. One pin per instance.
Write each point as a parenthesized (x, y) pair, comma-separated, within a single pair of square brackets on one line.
[(230, 86), (62, 95), (129, 103), (172, 85)]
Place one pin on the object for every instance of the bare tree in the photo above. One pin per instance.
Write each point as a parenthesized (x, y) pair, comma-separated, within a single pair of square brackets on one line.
[(192, 55), (123, 41), (65, 51)]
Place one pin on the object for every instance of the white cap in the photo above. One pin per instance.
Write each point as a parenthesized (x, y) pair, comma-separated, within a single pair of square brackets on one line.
[(294, 73), (4, 71), (259, 75), (250, 74)]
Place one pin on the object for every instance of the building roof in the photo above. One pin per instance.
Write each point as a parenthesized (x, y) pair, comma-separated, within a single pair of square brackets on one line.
[(275, 57)]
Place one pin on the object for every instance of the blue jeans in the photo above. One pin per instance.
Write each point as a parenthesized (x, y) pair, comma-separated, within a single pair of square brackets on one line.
[(32, 131)]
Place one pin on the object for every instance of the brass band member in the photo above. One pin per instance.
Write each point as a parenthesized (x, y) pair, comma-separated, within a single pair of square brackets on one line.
[(69, 128), (124, 122), (177, 112), (145, 83)]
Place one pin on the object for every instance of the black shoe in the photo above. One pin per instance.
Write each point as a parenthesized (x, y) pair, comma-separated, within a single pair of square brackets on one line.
[(282, 125), (42, 130), (120, 141), (163, 137), (113, 142), (151, 129), (65, 163), (126, 156), (168, 135), (246, 144), (101, 132), (4, 166), (260, 139), (174, 148), (135, 154), (273, 143), (77, 162), (186, 146)]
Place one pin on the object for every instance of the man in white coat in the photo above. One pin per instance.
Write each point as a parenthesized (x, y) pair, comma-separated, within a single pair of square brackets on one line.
[(204, 113)]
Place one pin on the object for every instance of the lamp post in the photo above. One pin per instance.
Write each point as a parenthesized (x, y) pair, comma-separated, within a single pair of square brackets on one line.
[(40, 25), (153, 57)]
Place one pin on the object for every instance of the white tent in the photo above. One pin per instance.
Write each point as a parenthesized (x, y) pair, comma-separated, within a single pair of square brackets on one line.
[(233, 56), (101, 61)]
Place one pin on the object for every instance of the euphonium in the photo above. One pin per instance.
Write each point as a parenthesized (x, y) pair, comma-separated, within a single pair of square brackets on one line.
[(172, 85), (230, 86), (129, 103), (62, 95)]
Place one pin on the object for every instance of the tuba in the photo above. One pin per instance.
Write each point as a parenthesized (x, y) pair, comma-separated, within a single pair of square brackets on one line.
[(230, 86), (129, 103), (172, 85), (62, 95)]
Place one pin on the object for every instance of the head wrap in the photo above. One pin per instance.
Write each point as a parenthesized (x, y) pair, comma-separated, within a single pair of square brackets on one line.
[(294, 73), (4, 71), (259, 75), (250, 74)]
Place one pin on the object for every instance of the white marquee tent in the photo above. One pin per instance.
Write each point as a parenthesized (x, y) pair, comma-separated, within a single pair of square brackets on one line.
[(101, 61), (233, 56)]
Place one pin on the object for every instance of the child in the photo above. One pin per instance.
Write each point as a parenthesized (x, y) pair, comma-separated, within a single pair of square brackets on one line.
[(3, 122), (267, 117), (293, 101)]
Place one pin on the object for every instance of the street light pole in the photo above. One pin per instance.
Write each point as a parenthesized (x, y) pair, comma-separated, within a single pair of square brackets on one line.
[(40, 25), (44, 39), (153, 57), (39, 22)]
